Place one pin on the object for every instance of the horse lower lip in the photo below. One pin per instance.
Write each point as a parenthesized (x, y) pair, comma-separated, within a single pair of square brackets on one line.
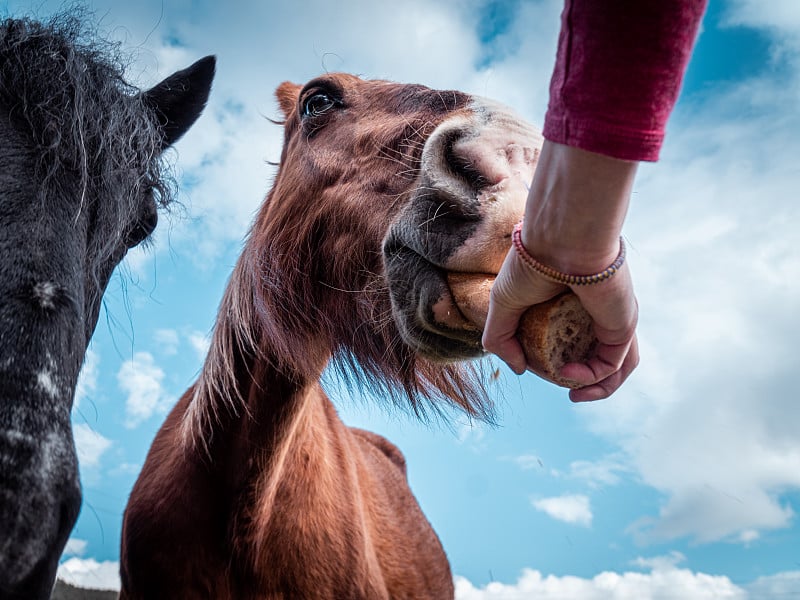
[(439, 309)]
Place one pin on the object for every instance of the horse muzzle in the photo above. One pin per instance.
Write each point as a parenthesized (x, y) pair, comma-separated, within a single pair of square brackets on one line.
[(40, 494), (473, 183)]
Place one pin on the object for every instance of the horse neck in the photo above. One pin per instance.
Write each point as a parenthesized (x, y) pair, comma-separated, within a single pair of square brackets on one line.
[(283, 461), (289, 477), (249, 398), (276, 412)]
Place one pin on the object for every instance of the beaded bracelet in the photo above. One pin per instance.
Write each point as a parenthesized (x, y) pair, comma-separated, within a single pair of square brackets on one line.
[(558, 276)]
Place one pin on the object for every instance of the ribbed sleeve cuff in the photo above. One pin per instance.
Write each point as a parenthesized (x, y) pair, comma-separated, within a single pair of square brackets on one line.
[(603, 138)]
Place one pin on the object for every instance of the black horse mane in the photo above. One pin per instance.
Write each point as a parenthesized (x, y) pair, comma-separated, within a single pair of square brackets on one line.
[(63, 86)]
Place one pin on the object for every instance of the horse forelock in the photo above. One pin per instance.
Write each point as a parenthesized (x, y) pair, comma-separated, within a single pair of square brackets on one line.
[(310, 285), (91, 131)]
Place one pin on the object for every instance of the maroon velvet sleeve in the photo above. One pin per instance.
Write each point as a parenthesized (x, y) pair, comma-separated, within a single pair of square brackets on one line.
[(618, 72)]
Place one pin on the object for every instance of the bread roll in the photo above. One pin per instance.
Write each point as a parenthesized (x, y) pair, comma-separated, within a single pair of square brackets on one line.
[(552, 333)]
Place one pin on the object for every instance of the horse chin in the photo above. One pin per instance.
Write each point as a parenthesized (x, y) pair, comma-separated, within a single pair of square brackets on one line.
[(425, 311)]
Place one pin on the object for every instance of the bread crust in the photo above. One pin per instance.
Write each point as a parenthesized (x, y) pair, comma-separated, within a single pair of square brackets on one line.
[(552, 334), (555, 333)]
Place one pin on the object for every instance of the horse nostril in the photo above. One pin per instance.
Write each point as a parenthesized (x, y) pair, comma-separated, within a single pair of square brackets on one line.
[(464, 167)]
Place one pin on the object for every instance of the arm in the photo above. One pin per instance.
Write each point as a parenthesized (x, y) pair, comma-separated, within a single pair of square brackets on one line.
[(618, 72), (617, 76), (573, 219)]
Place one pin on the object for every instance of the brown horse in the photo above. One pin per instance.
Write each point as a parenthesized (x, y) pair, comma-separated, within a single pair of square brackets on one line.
[(254, 488)]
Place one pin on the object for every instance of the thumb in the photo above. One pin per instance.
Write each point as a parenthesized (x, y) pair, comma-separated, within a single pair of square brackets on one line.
[(515, 289)]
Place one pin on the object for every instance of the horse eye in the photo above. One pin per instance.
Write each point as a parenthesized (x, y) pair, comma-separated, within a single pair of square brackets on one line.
[(318, 104)]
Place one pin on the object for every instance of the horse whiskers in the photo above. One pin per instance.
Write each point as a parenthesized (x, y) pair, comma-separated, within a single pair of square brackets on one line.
[(338, 289), (384, 154), (436, 214)]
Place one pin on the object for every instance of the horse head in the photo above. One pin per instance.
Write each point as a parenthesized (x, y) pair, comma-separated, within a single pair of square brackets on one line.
[(383, 189)]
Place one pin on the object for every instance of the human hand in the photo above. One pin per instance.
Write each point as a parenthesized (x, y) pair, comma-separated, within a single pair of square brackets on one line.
[(574, 214)]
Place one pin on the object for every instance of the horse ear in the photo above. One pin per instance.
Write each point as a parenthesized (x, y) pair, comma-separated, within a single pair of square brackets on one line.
[(287, 94), (178, 100)]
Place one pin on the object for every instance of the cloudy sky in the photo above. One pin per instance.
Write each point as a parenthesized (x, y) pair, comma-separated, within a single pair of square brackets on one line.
[(685, 484)]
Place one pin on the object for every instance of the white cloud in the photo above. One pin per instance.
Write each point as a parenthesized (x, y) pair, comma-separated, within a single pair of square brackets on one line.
[(89, 573), (75, 547), (527, 462), (666, 583), (89, 445), (200, 342), (521, 76), (772, 587), (471, 433), (142, 379), (138, 262), (660, 563), (167, 341), (236, 144), (749, 535), (126, 468), (781, 15), (574, 509), (599, 473)]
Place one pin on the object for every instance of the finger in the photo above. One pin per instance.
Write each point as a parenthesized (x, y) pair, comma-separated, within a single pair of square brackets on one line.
[(609, 385), (502, 320), (613, 348), (506, 307), (607, 360), (499, 337), (613, 308), (515, 289)]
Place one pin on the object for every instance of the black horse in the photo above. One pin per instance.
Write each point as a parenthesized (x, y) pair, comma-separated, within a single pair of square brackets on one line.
[(81, 179)]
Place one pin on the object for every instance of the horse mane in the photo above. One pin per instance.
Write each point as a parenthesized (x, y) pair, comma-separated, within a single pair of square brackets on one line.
[(279, 309), (377, 361), (64, 87)]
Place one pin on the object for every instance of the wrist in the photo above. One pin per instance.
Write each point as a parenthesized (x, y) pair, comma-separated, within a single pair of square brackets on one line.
[(576, 208), (569, 278)]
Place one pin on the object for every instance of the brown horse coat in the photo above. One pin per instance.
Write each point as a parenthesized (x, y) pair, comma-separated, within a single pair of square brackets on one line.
[(254, 488)]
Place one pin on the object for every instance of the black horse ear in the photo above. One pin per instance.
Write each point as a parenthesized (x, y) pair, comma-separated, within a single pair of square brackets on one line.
[(178, 100)]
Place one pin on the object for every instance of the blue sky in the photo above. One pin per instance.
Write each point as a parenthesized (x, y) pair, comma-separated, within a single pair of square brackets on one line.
[(684, 484)]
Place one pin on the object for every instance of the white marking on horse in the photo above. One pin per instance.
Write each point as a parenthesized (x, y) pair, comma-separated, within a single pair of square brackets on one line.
[(17, 437), (46, 292), (44, 379), (47, 378)]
